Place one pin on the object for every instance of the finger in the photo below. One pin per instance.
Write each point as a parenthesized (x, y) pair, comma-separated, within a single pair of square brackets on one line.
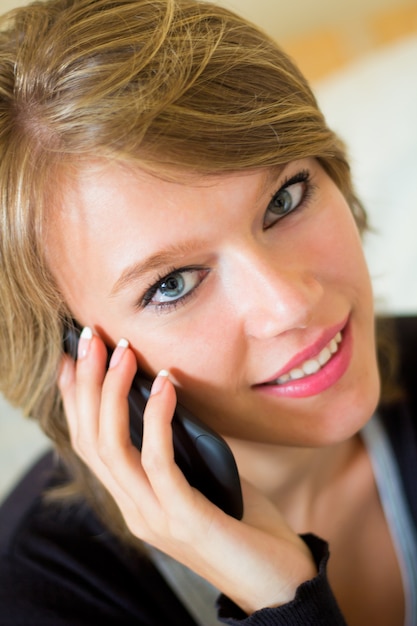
[(90, 399), (120, 458), (114, 431), (176, 497), (90, 372), (157, 448), (115, 447), (66, 385), (123, 460)]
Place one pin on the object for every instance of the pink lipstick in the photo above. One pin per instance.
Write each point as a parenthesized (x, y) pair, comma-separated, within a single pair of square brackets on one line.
[(315, 369)]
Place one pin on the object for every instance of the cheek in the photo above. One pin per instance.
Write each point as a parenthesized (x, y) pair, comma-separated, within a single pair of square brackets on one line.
[(202, 350), (340, 252), (204, 364)]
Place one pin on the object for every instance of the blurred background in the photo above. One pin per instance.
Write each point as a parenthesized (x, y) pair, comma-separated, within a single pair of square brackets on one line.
[(361, 59)]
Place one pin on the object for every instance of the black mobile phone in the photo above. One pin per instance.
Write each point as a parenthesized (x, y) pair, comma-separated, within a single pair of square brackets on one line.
[(203, 455)]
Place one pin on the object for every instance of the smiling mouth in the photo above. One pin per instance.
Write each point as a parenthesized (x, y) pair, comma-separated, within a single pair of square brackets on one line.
[(311, 366)]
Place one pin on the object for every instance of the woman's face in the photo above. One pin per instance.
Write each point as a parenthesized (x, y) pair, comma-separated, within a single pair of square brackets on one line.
[(250, 288)]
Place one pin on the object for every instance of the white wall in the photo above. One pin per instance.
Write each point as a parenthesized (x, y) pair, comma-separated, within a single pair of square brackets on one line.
[(285, 19), (5, 5)]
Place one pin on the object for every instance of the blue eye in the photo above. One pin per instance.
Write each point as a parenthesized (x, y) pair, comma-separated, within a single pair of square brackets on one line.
[(174, 287), (288, 197)]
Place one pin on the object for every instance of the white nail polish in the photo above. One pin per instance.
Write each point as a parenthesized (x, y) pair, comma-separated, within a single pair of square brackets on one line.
[(118, 352), (84, 343), (159, 382)]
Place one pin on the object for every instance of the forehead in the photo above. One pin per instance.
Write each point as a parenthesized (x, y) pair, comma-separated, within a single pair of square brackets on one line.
[(110, 216), (98, 187)]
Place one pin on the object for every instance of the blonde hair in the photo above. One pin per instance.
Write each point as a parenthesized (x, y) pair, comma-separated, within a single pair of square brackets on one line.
[(169, 85)]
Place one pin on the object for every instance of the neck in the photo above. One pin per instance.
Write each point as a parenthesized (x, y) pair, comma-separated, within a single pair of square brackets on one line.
[(295, 479)]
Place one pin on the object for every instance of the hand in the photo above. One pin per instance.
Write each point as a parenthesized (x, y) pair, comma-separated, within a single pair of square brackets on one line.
[(257, 562)]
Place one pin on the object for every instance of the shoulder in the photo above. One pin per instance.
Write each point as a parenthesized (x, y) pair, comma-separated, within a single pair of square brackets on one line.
[(400, 419), (58, 565), (406, 335)]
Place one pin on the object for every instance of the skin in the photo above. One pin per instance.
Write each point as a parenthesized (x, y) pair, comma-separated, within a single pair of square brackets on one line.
[(268, 290)]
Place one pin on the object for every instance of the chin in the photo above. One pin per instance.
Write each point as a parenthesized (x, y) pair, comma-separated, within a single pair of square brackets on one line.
[(343, 420), (321, 421)]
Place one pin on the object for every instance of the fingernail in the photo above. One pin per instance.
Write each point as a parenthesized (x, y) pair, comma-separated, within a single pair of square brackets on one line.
[(159, 382), (84, 342), (118, 353)]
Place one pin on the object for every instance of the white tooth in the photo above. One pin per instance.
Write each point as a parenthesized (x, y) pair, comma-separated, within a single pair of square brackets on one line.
[(283, 379), (296, 373), (311, 367), (333, 346), (324, 356)]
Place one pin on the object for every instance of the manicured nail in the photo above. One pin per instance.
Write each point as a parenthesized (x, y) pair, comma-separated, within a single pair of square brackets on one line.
[(159, 382), (84, 342), (118, 353)]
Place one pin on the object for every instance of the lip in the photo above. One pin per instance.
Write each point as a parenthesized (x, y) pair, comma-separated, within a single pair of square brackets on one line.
[(327, 376)]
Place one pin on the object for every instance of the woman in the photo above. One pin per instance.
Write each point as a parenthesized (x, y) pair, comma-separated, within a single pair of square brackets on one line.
[(169, 183)]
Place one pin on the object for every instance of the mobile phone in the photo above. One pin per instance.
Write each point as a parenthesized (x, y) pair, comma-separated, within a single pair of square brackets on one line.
[(203, 456)]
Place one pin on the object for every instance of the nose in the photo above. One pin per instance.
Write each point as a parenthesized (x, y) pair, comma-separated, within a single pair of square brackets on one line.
[(271, 295)]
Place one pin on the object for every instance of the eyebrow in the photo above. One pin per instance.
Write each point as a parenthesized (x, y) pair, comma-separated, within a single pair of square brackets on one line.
[(163, 258)]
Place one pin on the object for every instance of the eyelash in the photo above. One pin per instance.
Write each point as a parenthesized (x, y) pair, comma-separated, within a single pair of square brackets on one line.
[(146, 300), (301, 177)]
